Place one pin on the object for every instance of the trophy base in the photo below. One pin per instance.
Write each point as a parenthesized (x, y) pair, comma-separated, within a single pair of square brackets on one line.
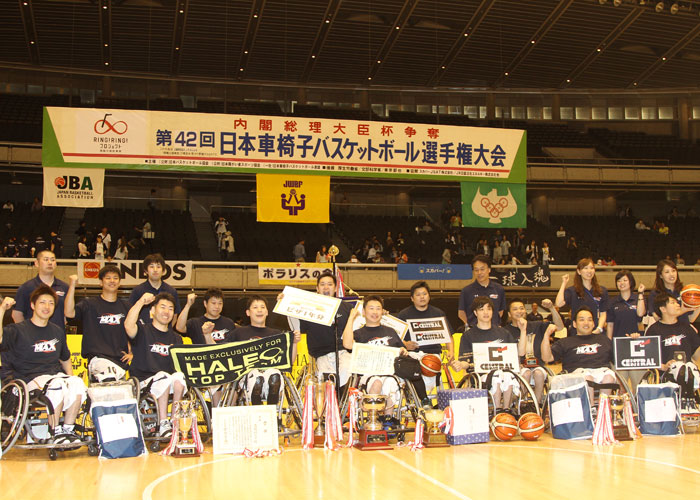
[(186, 450), (434, 440), (319, 440), (621, 433), (373, 440)]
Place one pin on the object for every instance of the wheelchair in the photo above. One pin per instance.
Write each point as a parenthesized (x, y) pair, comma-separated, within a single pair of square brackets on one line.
[(290, 407), (25, 423), (523, 399), (148, 414)]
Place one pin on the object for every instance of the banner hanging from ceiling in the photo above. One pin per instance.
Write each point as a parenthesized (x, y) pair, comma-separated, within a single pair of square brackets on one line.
[(73, 187), (160, 140)]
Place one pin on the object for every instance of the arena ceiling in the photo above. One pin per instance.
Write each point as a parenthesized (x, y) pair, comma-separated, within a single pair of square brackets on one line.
[(421, 44)]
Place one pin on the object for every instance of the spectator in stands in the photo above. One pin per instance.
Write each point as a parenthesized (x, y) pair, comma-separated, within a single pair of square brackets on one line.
[(39, 245), (427, 228), (122, 251), (399, 240), (227, 246), (36, 205), (663, 229), (546, 254), (56, 244), (106, 240), (572, 250), (99, 248), (456, 221), (641, 226), (82, 229), (24, 250), (497, 252), (532, 251), (151, 204), (680, 261), (322, 254), (299, 251), (534, 315), (561, 233), (674, 214), (389, 240), (505, 247), (447, 256), (403, 257), (372, 253), (10, 249), (353, 259), (82, 251), (220, 227), (9, 206)]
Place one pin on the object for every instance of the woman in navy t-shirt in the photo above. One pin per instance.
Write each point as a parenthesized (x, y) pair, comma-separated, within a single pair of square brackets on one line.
[(668, 281), (585, 291)]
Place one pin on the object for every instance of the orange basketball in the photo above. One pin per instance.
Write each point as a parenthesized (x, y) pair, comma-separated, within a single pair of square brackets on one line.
[(690, 296), (504, 426), (531, 426), (430, 365)]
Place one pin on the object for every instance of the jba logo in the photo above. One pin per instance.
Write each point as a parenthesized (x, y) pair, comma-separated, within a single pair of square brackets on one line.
[(73, 182)]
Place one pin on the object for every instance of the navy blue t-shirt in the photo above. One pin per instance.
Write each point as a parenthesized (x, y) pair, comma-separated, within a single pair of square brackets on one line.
[(222, 326), (146, 287), (35, 350), (493, 290), (151, 348), (622, 314), (598, 305), (103, 328), (685, 318), (536, 329), (431, 312), (24, 306)]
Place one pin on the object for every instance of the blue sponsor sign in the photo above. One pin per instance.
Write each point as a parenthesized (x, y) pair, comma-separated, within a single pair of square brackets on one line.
[(435, 272)]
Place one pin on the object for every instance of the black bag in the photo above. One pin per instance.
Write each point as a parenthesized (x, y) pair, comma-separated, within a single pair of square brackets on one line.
[(407, 368)]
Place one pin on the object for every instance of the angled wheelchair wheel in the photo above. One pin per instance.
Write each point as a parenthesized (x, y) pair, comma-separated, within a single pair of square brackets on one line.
[(15, 407), (470, 381), (625, 389), (527, 401), (294, 407), (203, 414)]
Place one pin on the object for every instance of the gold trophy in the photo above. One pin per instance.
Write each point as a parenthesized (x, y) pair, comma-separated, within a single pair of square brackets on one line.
[(333, 251), (319, 405), (617, 410), (372, 435), (184, 412), (433, 437)]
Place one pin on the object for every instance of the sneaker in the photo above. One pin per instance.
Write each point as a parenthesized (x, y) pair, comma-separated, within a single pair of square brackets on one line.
[(689, 408), (66, 438), (166, 429)]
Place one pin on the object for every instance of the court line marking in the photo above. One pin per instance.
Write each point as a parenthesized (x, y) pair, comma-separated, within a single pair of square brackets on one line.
[(590, 452), (425, 476), (148, 491)]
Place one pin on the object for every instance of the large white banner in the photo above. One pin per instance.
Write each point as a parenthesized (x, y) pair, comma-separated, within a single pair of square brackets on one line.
[(204, 141), (73, 187), (177, 272)]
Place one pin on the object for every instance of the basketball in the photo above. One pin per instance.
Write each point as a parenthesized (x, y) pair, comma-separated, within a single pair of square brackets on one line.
[(504, 426), (430, 365), (531, 426), (690, 296)]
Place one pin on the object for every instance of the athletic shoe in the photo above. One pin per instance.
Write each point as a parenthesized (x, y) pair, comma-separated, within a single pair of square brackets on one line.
[(66, 438), (166, 429)]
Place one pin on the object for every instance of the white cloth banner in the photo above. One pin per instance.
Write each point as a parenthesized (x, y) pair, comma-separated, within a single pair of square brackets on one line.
[(73, 187)]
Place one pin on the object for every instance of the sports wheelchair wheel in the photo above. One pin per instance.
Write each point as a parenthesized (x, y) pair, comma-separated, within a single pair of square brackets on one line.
[(203, 414), (294, 407), (15, 407)]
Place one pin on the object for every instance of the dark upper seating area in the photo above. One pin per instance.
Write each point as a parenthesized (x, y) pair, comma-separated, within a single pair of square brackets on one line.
[(174, 232), (645, 146), (23, 222)]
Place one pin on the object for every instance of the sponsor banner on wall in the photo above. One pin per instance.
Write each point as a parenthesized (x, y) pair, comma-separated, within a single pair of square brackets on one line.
[(293, 198), (434, 271), (117, 138), (73, 187), (291, 273), (487, 204), (177, 273)]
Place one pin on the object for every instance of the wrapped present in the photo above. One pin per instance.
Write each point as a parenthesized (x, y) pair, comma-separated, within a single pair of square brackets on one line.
[(466, 415)]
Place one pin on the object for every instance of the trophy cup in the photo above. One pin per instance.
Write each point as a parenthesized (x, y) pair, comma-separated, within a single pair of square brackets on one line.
[(617, 410), (372, 435), (319, 403), (433, 437), (184, 412), (333, 251)]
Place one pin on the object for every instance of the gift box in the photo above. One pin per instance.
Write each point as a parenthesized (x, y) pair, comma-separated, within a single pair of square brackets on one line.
[(467, 412)]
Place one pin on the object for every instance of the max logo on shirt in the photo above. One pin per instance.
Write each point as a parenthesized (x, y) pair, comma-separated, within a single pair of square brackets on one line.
[(588, 349), (111, 319), (218, 335), (673, 340), (46, 345), (380, 341), (162, 349)]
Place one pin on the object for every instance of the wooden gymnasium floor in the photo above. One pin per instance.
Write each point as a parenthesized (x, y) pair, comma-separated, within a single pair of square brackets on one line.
[(657, 468)]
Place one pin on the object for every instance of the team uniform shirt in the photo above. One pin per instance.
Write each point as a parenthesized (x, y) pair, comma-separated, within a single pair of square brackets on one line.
[(25, 291), (583, 351), (598, 305), (321, 339), (476, 335), (494, 291), (534, 317), (684, 318), (35, 350), (622, 314), (536, 328), (377, 335), (431, 312), (146, 287), (222, 326), (151, 349), (250, 332), (103, 329), (679, 337)]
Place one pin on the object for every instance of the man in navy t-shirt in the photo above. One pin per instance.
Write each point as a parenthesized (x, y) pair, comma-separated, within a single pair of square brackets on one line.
[(154, 265), (46, 263), (483, 286)]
